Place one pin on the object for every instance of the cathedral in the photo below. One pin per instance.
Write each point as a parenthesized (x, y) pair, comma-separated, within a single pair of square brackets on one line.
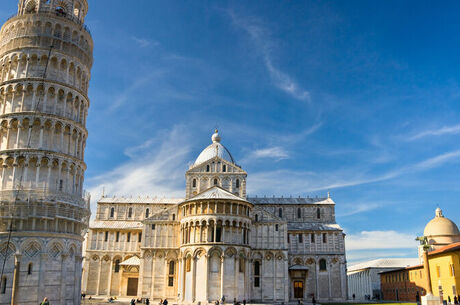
[(216, 243)]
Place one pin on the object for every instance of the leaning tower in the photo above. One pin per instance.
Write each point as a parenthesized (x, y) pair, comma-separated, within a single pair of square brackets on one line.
[(45, 64)]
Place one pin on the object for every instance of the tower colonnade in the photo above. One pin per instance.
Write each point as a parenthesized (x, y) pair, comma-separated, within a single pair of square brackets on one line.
[(45, 64)]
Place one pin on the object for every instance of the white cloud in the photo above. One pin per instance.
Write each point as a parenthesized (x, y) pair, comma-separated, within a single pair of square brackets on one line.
[(438, 160), (437, 132), (260, 37), (144, 42), (275, 152), (357, 208), (155, 168), (371, 240)]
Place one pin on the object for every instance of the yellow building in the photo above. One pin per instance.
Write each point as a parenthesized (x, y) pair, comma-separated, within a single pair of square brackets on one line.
[(445, 271)]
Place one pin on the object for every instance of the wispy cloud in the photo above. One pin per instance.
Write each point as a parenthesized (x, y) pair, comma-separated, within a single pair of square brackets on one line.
[(275, 152), (357, 208), (446, 130), (438, 160), (260, 37), (144, 42), (367, 240), (155, 168), (127, 93)]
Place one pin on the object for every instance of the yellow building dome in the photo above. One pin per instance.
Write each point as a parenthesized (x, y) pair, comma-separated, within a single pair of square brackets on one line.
[(441, 230)]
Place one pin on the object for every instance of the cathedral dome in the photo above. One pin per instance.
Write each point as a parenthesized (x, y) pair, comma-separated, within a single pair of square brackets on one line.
[(441, 229), (214, 150)]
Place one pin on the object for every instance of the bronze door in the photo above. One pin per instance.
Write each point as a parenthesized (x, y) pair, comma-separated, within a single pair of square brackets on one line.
[(298, 289), (132, 286)]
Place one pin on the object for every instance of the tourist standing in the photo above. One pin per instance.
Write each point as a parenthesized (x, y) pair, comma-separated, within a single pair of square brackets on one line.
[(45, 302), (147, 301), (165, 302)]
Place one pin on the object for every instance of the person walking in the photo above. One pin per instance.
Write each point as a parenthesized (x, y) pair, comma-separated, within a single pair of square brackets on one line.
[(45, 302), (455, 300), (147, 301), (133, 302), (165, 302)]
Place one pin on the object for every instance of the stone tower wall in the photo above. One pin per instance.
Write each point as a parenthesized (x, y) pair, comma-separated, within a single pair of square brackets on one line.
[(45, 64)]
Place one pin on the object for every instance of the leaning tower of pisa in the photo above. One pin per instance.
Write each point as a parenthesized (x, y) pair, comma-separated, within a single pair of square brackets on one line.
[(45, 64)]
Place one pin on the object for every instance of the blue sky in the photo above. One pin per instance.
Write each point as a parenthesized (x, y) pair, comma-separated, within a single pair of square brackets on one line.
[(359, 98)]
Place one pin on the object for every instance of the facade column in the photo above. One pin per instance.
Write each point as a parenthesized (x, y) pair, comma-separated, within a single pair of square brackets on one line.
[(109, 280), (22, 99), (120, 288), (63, 276), (99, 277), (16, 273), (40, 143), (206, 293), (154, 259), (77, 283), (329, 280), (37, 173), (41, 277), (194, 278), (18, 135)]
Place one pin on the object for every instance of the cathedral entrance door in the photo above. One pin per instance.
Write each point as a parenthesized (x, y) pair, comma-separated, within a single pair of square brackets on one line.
[(132, 286), (298, 289)]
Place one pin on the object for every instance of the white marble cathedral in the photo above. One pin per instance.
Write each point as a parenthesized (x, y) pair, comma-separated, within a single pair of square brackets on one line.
[(216, 242), (45, 63)]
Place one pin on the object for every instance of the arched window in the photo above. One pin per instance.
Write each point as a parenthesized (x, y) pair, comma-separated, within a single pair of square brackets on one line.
[(237, 183), (171, 273), (256, 274), (299, 213), (257, 217), (188, 264), (106, 236), (29, 269), (4, 285), (215, 181), (322, 264), (194, 183), (318, 213), (129, 237), (130, 212), (60, 11), (312, 237), (241, 265), (112, 212), (280, 213), (324, 238), (207, 168), (224, 168), (276, 228), (117, 266), (147, 212), (300, 238), (139, 237)]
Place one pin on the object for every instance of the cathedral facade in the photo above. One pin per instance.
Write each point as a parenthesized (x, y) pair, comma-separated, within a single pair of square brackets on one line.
[(216, 243)]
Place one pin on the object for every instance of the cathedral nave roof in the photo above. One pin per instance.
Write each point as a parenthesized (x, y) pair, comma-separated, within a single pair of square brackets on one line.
[(313, 226), (117, 224), (290, 200)]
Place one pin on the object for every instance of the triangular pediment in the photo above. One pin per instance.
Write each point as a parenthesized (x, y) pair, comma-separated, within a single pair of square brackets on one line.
[(215, 192), (265, 216), (164, 215)]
